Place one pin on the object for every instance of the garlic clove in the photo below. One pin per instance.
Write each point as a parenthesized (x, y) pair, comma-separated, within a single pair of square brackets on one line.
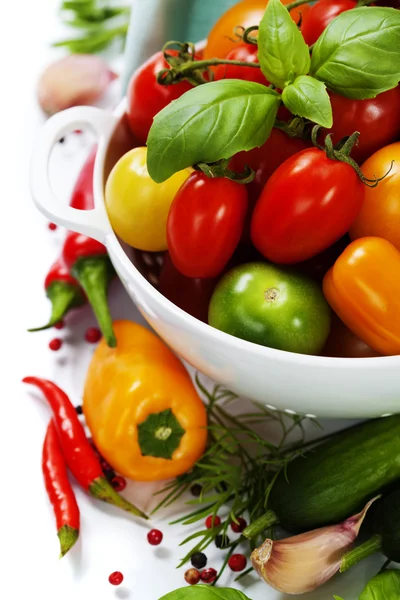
[(79, 79), (302, 563)]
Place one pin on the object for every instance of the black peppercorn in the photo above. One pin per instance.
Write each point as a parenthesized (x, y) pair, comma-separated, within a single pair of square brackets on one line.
[(198, 560), (222, 541), (196, 490)]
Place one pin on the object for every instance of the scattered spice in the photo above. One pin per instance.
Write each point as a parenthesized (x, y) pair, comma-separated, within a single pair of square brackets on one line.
[(59, 325), (92, 335), (55, 344), (192, 576), (196, 490), (198, 560), (119, 483), (212, 521), (79, 409), (116, 578), (237, 562), (208, 575), (239, 525), (155, 537), (52, 226), (222, 541)]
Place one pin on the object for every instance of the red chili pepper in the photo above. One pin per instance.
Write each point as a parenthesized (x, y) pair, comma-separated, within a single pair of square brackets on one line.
[(63, 291), (84, 262), (79, 454), (59, 490)]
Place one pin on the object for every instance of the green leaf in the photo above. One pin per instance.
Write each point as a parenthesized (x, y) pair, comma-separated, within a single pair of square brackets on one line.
[(210, 122), (358, 55), (282, 51), (307, 97), (160, 435), (205, 592), (385, 586)]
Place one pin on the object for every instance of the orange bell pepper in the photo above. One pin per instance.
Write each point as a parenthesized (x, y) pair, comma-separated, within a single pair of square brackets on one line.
[(142, 408), (363, 288)]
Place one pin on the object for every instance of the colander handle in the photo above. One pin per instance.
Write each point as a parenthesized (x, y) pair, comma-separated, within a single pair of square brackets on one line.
[(93, 223)]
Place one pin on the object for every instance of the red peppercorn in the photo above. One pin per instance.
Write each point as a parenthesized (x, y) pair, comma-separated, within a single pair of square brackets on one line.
[(239, 526), (78, 131), (52, 226), (55, 344), (118, 483), (92, 335), (116, 578), (237, 562), (208, 575), (212, 521), (154, 537), (59, 325), (192, 576)]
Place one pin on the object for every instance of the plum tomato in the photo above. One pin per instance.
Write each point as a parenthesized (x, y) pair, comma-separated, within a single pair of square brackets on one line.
[(343, 343), (244, 14), (137, 206), (146, 97), (190, 294), (308, 204), (247, 53), (320, 15), (377, 120), (205, 224), (271, 306), (380, 214)]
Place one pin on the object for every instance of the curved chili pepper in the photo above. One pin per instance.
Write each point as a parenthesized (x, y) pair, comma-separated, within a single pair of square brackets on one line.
[(63, 291), (59, 490), (79, 454), (85, 261)]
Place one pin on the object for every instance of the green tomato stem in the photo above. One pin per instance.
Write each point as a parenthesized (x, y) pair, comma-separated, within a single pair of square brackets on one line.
[(362, 551)]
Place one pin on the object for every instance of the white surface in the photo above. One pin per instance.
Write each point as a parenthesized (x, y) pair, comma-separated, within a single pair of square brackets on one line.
[(110, 540)]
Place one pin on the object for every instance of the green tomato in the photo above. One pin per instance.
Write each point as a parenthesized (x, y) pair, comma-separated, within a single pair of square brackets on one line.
[(271, 306)]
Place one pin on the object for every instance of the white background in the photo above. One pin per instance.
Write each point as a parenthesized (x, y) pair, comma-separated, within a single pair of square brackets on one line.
[(110, 540)]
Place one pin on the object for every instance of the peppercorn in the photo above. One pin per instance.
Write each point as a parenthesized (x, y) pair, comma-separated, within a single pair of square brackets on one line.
[(222, 541), (239, 525), (192, 576), (196, 490), (198, 560), (208, 575)]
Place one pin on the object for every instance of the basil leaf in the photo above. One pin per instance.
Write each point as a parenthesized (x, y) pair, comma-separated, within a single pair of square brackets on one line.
[(210, 122), (307, 97), (282, 51), (205, 592), (358, 55), (385, 586)]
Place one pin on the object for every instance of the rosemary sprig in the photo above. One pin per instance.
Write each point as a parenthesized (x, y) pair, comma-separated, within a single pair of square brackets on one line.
[(237, 471), (98, 22)]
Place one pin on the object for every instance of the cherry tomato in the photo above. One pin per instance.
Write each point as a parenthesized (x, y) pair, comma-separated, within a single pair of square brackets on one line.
[(191, 294), (245, 52), (343, 343), (137, 206), (146, 97), (309, 202), (266, 159), (205, 224), (377, 120), (274, 307), (320, 15), (244, 14), (380, 214)]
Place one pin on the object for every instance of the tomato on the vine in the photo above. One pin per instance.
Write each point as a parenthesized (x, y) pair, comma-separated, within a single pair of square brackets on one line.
[(244, 14), (146, 97), (380, 214), (309, 202), (274, 307), (247, 53), (320, 15), (376, 119), (205, 224), (137, 206)]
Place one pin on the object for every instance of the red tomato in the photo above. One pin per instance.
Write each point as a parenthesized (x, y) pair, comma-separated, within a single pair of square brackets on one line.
[(205, 223), (243, 14), (320, 15), (343, 343), (317, 266), (377, 120), (146, 97), (309, 202), (245, 52), (191, 295), (266, 159)]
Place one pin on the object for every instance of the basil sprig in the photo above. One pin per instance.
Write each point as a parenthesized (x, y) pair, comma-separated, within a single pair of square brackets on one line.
[(358, 54), (307, 97), (209, 123), (205, 592)]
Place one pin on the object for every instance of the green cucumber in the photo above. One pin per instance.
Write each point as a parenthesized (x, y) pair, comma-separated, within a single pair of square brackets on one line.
[(338, 477)]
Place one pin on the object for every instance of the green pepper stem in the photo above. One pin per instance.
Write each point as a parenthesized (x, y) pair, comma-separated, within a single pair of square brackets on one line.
[(259, 525), (63, 296), (102, 490), (68, 537), (351, 558), (94, 274)]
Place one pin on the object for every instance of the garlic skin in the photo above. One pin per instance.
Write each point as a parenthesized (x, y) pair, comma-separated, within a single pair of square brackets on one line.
[(79, 79), (302, 563)]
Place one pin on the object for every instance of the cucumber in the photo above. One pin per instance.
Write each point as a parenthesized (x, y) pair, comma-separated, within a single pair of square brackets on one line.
[(390, 527), (337, 478)]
